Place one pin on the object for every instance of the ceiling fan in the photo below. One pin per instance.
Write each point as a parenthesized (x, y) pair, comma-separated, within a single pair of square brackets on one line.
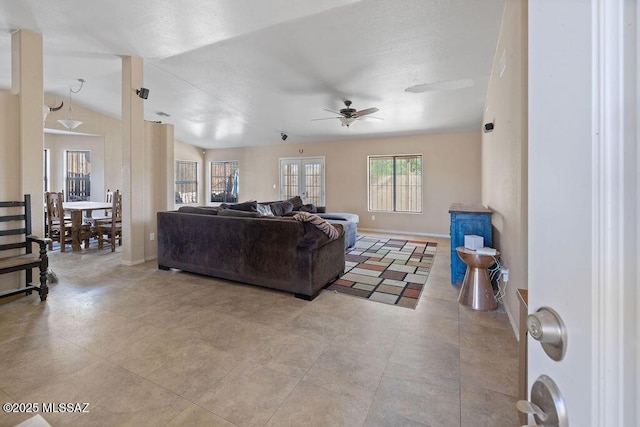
[(348, 115)]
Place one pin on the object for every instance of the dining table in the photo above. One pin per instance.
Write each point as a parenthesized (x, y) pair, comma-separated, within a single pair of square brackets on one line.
[(79, 211)]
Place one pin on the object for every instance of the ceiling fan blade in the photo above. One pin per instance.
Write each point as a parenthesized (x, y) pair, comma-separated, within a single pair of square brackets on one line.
[(367, 111), (327, 118), (334, 112), (369, 118), (445, 85)]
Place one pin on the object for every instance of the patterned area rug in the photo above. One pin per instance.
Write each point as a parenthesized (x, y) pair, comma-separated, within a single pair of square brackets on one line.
[(391, 271)]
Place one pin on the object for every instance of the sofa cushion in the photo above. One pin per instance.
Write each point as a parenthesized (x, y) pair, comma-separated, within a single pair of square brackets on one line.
[(320, 223), (238, 213), (251, 206), (311, 208), (340, 216), (281, 208), (203, 210), (350, 231)]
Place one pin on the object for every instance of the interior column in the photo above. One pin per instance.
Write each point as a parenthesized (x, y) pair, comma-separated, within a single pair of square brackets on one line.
[(27, 83), (168, 159), (132, 160)]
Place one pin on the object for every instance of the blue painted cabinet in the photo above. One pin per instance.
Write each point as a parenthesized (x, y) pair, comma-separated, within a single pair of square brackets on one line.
[(467, 219)]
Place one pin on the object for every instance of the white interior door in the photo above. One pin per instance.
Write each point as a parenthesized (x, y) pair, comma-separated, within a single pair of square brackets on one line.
[(583, 202), (303, 177)]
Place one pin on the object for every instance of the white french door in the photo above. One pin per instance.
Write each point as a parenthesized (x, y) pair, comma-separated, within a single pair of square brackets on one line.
[(303, 177), (583, 203)]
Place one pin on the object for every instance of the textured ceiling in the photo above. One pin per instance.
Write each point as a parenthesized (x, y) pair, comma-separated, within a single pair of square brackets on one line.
[(237, 73)]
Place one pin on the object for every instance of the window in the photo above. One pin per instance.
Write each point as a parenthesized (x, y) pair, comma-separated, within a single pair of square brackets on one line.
[(224, 182), (46, 169), (186, 182), (78, 181), (395, 183)]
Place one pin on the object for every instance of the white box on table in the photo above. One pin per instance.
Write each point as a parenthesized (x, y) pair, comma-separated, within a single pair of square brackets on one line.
[(473, 242)]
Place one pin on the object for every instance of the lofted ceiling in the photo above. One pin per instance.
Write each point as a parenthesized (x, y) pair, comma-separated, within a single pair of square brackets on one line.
[(238, 73)]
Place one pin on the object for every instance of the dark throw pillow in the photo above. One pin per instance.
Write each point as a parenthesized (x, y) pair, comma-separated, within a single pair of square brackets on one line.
[(281, 208), (296, 202)]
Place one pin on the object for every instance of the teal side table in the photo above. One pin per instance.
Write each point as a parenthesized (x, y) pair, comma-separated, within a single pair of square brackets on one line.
[(467, 219)]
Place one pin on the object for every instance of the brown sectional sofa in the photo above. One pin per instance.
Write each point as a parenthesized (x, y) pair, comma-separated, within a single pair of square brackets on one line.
[(278, 253)]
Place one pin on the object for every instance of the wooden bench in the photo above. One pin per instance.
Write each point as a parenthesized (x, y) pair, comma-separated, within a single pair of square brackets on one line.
[(15, 236)]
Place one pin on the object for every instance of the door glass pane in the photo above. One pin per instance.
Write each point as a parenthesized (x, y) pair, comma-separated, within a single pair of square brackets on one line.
[(313, 183), (290, 180)]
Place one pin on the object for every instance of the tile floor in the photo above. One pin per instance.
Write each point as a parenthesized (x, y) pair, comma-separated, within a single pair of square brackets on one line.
[(146, 347)]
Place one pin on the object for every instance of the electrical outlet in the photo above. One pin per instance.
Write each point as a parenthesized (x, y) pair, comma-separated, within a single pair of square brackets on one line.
[(505, 274), (152, 236), (373, 217)]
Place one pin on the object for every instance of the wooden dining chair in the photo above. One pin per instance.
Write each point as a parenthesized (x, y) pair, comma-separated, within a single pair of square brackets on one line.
[(108, 198), (109, 230), (58, 227)]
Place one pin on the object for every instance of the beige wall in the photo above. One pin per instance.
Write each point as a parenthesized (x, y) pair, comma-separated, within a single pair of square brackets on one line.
[(158, 173), (9, 148), (9, 166), (451, 169), (504, 151), (27, 83)]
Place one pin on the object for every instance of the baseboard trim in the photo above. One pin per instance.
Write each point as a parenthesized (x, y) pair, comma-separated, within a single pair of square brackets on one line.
[(150, 258), (134, 262), (407, 233)]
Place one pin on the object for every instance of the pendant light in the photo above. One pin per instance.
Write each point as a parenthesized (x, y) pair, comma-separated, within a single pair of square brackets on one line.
[(69, 123)]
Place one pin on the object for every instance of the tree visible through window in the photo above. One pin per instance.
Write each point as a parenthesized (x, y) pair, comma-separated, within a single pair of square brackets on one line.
[(78, 178), (395, 183), (224, 182), (186, 182)]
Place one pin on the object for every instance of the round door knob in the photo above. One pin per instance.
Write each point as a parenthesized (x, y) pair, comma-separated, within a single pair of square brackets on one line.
[(546, 326)]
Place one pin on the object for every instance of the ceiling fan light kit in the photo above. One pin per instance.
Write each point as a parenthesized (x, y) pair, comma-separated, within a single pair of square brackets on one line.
[(346, 121), (349, 115)]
